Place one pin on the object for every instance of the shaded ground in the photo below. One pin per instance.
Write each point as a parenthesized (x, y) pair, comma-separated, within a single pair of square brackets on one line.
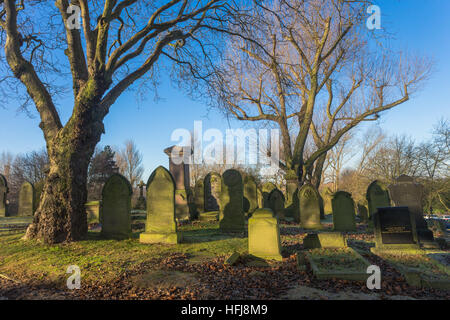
[(193, 270)]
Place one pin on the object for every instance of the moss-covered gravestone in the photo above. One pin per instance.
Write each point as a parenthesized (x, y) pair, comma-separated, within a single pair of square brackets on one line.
[(199, 196), (276, 202), (377, 197), (327, 195), (26, 200), (362, 213), (343, 211), (309, 207), (115, 216), (231, 217), (160, 226), (264, 235), (266, 190), (3, 192), (93, 209), (213, 184), (291, 203), (250, 194)]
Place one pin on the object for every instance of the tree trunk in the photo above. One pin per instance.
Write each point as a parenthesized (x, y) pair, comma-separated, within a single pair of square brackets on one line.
[(61, 215)]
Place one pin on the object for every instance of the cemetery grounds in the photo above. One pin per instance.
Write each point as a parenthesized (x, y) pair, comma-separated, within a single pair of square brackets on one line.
[(199, 268)]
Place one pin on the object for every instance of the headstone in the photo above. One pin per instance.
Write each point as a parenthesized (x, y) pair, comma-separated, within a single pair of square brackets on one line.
[(322, 207), (377, 197), (231, 218), (343, 212), (327, 195), (395, 229), (264, 235), (115, 216), (276, 202), (93, 209), (406, 193), (266, 190), (141, 203), (26, 200), (3, 192), (363, 213), (291, 202), (213, 185), (179, 168), (309, 207), (250, 194), (199, 194), (161, 226), (324, 240)]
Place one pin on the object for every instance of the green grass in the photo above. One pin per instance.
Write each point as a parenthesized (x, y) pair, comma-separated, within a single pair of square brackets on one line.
[(101, 259)]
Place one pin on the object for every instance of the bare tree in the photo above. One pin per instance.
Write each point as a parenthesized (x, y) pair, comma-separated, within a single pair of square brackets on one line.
[(308, 68), (118, 43), (129, 161)]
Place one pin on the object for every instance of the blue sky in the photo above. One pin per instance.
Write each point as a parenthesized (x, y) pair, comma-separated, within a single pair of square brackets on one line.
[(420, 26)]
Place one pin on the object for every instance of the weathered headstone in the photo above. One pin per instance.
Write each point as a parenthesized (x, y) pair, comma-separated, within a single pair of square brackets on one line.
[(93, 209), (160, 226), (406, 193), (266, 190), (291, 202), (324, 240), (343, 211), (327, 195), (362, 213), (395, 229), (264, 235), (322, 207), (3, 192), (250, 194), (377, 197), (26, 200), (231, 218), (115, 216), (141, 203), (199, 195), (213, 185), (179, 168), (309, 207), (276, 202)]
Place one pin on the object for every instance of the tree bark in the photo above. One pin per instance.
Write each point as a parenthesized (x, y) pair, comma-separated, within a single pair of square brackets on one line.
[(61, 215)]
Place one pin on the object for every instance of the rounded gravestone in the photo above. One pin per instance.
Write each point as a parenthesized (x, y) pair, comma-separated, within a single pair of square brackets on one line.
[(309, 207), (199, 196), (212, 184), (3, 192), (115, 216), (276, 202), (264, 235), (160, 226), (343, 211), (231, 215), (266, 190), (26, 200), (377, 197), (250, 194), (362, 213)]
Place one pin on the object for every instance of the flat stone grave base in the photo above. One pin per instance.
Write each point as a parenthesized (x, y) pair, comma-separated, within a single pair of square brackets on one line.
[(337, 263), (421, 270), (169, 238), (209, 216)]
